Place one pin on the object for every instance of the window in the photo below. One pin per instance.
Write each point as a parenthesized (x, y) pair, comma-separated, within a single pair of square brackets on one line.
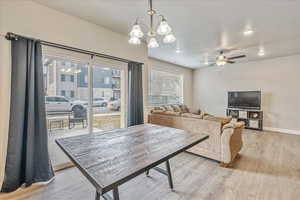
[(106, 80), (50, 99), (72, 94), (62, 78), (63, 93), (72, 78), (165, 88), (61, 99)]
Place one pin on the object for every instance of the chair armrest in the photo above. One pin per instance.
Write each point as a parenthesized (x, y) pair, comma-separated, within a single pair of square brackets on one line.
[(231, 141)]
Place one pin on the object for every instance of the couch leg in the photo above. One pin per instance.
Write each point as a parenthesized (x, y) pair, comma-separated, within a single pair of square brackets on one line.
[(225, 165), (238, 156)]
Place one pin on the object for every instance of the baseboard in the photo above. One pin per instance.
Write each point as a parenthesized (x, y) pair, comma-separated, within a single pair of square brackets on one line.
[(282, 130)]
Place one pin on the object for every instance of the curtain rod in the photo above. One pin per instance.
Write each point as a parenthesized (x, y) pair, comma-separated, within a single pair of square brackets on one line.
[(13, 36)]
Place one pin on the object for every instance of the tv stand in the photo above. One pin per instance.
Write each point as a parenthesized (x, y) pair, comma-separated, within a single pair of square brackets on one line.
[(253, 118)]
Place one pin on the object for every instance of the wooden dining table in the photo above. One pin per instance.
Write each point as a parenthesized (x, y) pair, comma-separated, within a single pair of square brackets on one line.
[(110, 158)]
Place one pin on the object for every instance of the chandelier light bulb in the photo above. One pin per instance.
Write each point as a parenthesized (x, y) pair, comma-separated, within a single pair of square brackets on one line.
[(248, 32), (164, 28), (170, 38), (134, 40), (136, 31), (153, 43)]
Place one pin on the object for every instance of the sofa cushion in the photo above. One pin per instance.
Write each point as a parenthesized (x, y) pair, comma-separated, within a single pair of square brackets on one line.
[(223, 120), (191, 115), (172, 113), (234, 125), (158, 111)]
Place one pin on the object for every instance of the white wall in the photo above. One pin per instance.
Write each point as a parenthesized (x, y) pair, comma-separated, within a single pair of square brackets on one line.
[(31, 19), (278, 79), (34, 20)]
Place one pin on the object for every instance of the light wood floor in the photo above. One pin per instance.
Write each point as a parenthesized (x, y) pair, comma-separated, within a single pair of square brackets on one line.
[(269, 169)]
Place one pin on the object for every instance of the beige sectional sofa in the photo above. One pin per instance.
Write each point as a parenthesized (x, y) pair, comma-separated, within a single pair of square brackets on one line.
[(224, 140)]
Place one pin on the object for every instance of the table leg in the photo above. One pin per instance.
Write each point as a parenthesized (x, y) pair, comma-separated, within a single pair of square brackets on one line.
[(116, 193), (169, 174), (97, 196)]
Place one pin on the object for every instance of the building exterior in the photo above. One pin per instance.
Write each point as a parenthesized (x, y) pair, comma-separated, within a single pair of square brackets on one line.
[(69, 79)]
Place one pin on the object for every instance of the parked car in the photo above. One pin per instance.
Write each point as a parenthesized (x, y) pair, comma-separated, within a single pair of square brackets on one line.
[(99, 102), (61, 103), (114, 105)]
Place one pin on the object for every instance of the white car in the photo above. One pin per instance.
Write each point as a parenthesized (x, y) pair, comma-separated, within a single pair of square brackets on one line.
[(99, 102), (61, 103), (114, 105)]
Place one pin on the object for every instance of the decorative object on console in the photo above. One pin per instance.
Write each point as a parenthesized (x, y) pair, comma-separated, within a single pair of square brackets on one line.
[(252, 120)]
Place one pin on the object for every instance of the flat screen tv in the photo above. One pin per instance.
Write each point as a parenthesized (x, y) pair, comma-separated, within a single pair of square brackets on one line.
[(244, 99)]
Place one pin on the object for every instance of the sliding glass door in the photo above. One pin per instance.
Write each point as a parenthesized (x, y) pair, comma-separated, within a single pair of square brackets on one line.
[(108, 82), (66, 101), (82, 96)]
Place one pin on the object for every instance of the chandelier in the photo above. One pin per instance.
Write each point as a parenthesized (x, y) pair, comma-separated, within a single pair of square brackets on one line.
[(163, 30)]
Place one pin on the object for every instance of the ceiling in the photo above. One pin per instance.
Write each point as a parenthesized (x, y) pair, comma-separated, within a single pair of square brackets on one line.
[(202, 27)]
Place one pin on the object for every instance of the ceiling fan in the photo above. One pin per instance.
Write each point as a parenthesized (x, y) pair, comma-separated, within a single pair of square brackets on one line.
[(223, 60)]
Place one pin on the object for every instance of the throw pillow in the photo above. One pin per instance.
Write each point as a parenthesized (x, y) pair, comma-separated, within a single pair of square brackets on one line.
[(176, 108), (184, 108), (168, 108)]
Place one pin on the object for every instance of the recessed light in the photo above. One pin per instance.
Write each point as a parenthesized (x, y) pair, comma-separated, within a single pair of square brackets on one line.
[(261, 52), (177, 51), (248, 32)]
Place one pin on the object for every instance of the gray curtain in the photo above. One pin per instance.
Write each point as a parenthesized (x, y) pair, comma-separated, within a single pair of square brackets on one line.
[(27, 159), (135, 94)]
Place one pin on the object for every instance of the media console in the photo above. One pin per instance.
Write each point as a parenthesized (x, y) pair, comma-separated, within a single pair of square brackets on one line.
[(253, 118)]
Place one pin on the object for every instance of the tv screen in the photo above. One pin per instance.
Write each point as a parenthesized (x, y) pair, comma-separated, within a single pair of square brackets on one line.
[(244, 99)]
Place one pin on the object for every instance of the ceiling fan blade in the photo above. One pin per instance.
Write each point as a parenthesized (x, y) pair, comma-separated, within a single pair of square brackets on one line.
[(236, 57), (229, 61)]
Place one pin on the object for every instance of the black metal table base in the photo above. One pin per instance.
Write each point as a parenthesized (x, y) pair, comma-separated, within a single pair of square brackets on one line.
[(106, 196), (166, 172), (115, 191)]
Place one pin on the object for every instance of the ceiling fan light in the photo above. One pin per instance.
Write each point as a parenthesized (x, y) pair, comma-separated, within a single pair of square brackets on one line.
[(153, 43), (221, 57), (136, 31), (261, 52), (170, 38), (220, 62), (134, 41), (164, 28)]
